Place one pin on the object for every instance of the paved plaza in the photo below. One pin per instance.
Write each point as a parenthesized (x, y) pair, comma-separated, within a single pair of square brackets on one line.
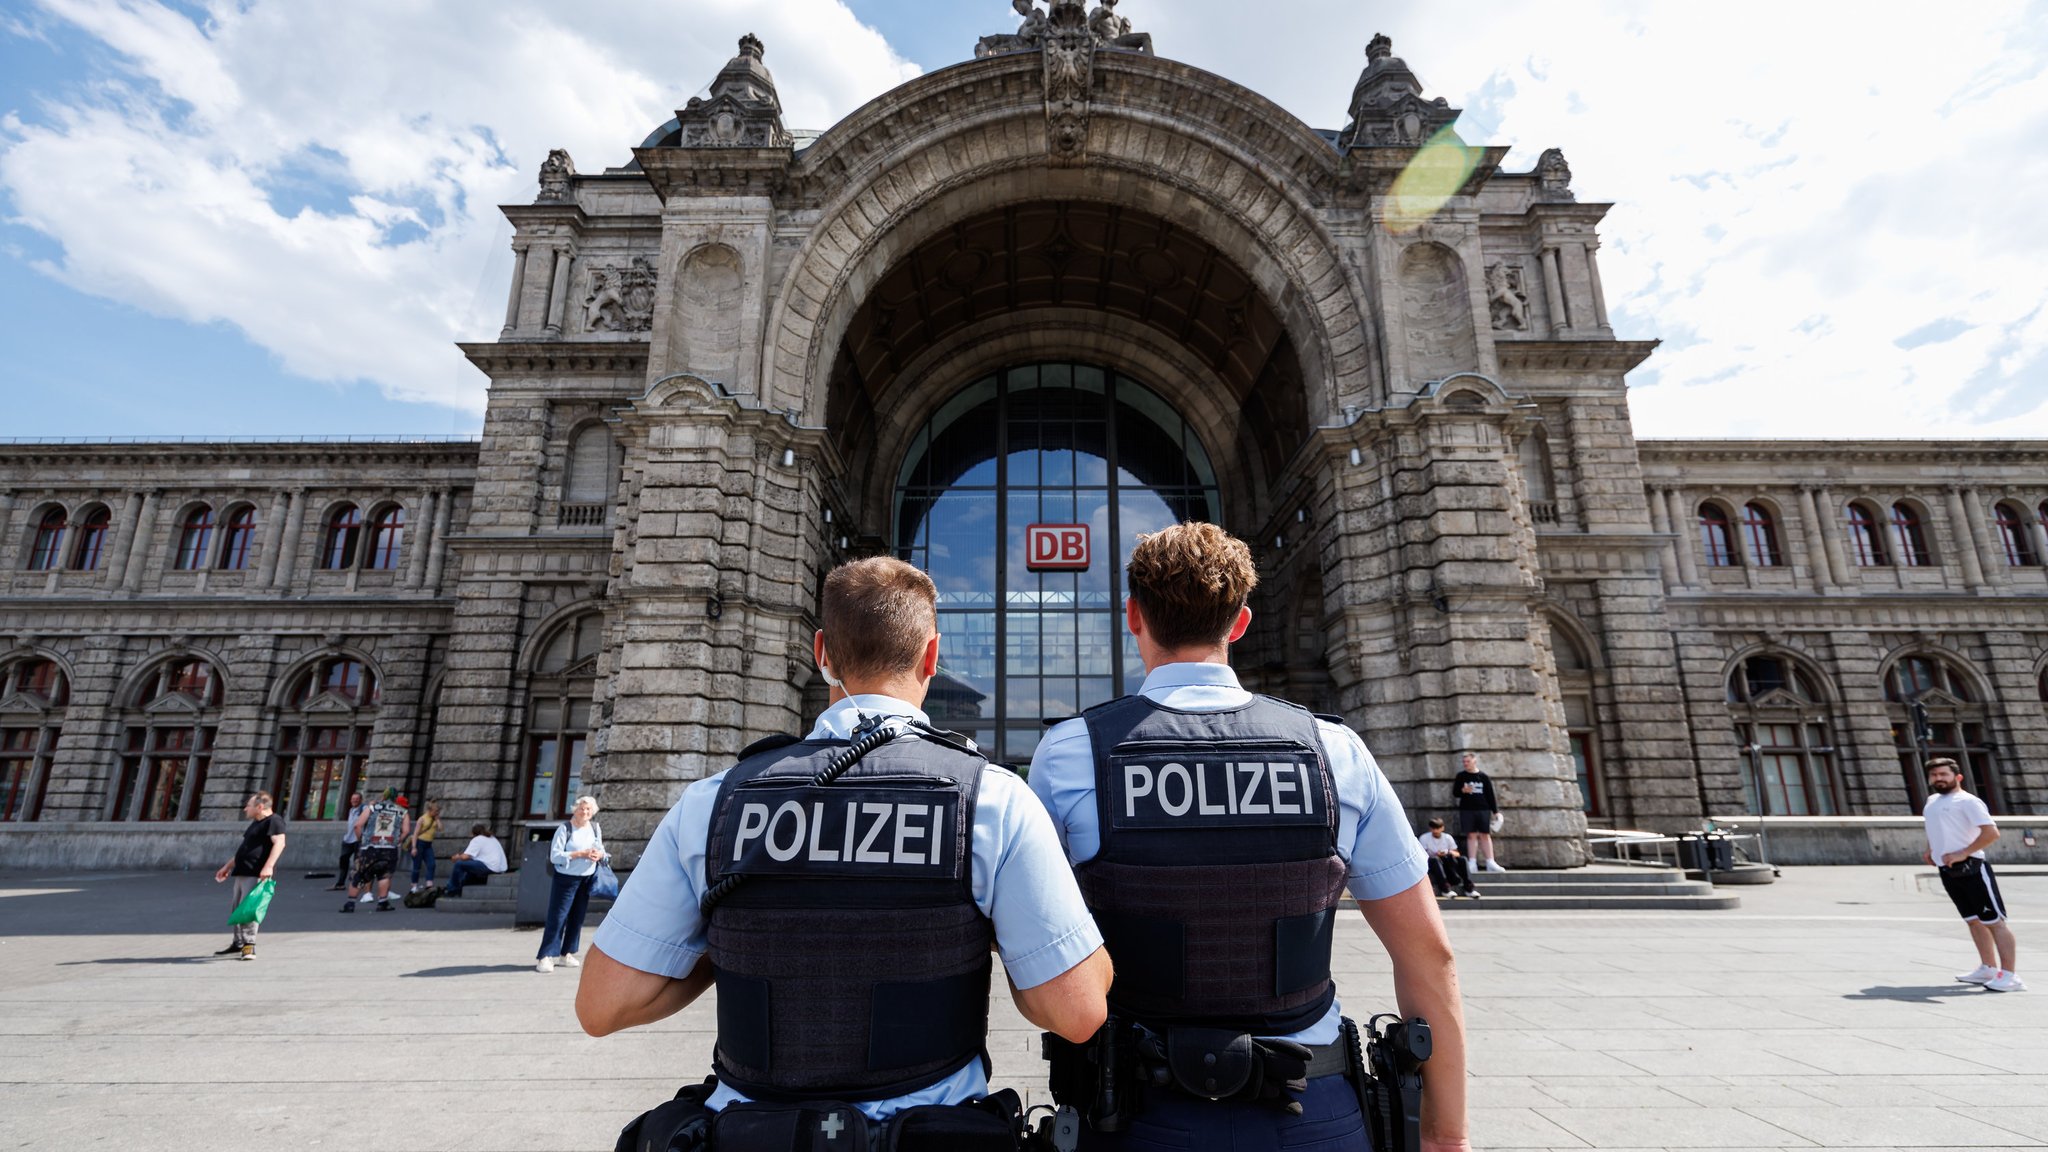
[(1821, 1014)]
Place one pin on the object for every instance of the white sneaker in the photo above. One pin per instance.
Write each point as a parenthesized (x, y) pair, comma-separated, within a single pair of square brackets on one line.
[(547, 964), (1981, 974), (2005, 982), (1494, 866), (569, 960)]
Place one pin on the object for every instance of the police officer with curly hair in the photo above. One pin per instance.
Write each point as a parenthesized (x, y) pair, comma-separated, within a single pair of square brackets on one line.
[(1214, 832), (843, 892)]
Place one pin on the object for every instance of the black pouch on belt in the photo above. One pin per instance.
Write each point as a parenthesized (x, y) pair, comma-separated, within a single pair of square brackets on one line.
[(681, 1125), (1209, 1062), (818, 1126), (994, 1123)]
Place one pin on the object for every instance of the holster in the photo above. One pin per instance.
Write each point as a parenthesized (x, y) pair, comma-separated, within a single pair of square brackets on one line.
[(681, 1125), (1387, 1072)]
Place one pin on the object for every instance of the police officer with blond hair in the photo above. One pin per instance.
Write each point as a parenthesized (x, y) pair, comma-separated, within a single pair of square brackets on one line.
[(843, 893), (1214, 832)]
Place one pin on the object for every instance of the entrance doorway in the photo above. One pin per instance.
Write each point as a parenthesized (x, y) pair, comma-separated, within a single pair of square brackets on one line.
[(1041, 444)]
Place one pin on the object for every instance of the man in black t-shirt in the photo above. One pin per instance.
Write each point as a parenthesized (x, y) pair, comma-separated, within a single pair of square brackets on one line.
[(1472, 792), (255, 861)]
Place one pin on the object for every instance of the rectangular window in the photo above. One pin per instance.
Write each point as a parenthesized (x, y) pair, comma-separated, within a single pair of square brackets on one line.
[(540, 790), (19, 759)]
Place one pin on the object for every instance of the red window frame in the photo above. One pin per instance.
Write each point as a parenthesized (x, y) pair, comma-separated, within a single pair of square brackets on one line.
[(2012, 533), (1717, 537), (1762, 531), (49, 541), (1866, 538), (194, 535), (387, 535), (1910, 535), (88, 550), (238, 535), (344, 537)]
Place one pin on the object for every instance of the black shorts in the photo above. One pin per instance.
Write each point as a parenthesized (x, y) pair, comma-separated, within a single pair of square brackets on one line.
[(374, 864), (1470, 822), (1974, 891)]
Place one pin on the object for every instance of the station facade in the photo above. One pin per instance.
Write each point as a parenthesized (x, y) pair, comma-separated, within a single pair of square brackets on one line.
[(1071, 286)]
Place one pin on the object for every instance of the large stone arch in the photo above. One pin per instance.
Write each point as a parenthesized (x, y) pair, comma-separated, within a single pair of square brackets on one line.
[(1167, 139)]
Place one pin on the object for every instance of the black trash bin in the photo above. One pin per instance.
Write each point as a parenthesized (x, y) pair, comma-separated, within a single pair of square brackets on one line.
[(1706, 853)]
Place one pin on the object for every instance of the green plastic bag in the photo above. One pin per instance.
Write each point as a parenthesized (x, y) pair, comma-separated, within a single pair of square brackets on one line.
[(254, 905)]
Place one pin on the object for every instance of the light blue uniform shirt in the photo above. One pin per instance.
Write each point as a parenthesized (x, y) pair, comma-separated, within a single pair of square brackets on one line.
[(1021, 882), (1373, 836)]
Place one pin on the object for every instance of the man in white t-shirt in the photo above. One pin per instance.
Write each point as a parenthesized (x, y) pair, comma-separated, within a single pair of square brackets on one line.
[(484, 856), (1959, 828), (1447, 869)]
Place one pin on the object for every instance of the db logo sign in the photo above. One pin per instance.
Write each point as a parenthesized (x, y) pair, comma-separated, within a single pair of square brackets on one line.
[(1056, 548)]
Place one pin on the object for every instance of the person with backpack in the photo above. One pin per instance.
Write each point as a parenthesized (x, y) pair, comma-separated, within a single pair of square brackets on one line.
[(577, 849), (379, 831)]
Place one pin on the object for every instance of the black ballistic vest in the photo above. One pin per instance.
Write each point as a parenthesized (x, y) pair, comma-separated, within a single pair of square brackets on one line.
[(852, 963), (1217, 883)]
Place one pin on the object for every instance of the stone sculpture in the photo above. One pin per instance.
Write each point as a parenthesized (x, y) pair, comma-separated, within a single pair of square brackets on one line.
[(1104, 28), (1506, 298), (743, 110), (1387, 106), (1553, 176), (621, 299), (555, 173)]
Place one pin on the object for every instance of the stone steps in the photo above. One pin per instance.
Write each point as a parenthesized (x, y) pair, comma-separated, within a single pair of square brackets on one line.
[(1594, 889)]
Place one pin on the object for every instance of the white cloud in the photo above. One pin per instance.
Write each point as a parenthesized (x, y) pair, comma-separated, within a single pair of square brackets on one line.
[(1801, 190), (325, 177), (1796, 186)]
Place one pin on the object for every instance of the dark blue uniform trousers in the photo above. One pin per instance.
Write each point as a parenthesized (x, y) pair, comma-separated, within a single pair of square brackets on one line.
[(1329, 1122)]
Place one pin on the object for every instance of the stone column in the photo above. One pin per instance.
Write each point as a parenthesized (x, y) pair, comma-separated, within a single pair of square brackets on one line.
[(558, 293), (1682, 521), (1990, 552), (1599, 293), (418, 526), (138, 546), (1660, 523), (1816, 545), (1553, 288), (274, 523), (124, 536), (1966, 545), (518, 288), (288, 541), (6, 516), (437, 558), (1830, 541)]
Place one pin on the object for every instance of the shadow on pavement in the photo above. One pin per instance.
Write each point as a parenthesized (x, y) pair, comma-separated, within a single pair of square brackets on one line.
[(469, 970), (142, 960), (1925, 995)]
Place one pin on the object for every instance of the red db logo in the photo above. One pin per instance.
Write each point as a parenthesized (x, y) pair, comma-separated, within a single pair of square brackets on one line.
[(1056, 548)]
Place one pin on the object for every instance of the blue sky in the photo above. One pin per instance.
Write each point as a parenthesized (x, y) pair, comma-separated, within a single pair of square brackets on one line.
[(245, 217)]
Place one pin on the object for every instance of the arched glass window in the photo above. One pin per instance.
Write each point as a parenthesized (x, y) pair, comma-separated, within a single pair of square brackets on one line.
[(2013, 537), (237, 538), (1782, 727), (167, 744), (88, 549), (33, 693), (344, 536), (1761, 531), (194, 535), (387, 535), (1717, 537), (1935, 712), (1909, 536), (1866, 538), (49, 543), (558, 718), (323, 738), (591, 479), (1575, 684)]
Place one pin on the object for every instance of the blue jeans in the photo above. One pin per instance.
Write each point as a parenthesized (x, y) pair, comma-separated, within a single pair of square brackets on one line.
[(422, 859), (1329, 1122), (462, 872), (568, 901)]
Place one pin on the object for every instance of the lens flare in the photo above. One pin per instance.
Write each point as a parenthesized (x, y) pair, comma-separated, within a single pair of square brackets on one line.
[(1438, 170)]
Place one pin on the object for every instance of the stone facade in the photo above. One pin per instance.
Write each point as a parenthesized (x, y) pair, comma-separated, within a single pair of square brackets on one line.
[(717, 357)]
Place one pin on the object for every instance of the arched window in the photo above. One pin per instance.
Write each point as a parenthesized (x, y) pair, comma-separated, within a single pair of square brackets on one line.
[(2013, 537), (1866, 538), (344, 536), (1935, 712), (323, 738), (33, 693), (1761, 531), (558, 718), (1537, 475), (1717, 537), (167, 744), (49, 541), (387, 534), (194, 536), (237, 538), (1575, 684), (1782, 728), (1909, 536), (591, 479), (88, 550)]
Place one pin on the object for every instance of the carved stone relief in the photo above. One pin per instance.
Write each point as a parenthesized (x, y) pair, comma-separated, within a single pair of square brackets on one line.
[(743, 110), (1507, 297), (1436, 313), (555, 174), (709, 288), (1553, 176), (1069, 74), (621, 298), (1108, 29)]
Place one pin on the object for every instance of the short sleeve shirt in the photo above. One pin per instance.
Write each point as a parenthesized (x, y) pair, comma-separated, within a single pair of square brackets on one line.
[(1020, 881), (255, 846), (1954, 820), (1372, 829)]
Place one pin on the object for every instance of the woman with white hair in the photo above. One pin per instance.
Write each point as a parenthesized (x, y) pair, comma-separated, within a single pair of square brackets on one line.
[(575, 853)]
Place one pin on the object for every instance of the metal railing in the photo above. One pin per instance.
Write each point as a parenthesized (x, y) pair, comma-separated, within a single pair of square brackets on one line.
[(1543, 511), (583, 516), (1656, 850)]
